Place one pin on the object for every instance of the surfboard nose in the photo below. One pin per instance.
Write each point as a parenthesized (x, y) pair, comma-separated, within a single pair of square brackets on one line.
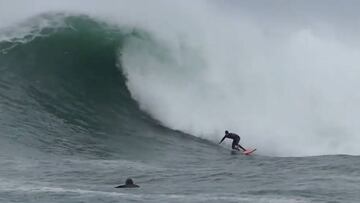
[(249, 151)]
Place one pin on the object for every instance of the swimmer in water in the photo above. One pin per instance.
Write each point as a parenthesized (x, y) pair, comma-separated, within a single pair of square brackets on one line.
[(128, 184)]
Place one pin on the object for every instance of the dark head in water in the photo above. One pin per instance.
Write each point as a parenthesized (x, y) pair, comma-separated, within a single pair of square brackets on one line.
[(128, 184)]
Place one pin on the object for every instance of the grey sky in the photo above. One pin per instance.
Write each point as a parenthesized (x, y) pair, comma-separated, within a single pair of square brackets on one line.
[(339, 18), (300, 10)]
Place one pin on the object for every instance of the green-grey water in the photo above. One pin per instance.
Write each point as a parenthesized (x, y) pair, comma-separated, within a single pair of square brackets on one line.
[(71, 131)]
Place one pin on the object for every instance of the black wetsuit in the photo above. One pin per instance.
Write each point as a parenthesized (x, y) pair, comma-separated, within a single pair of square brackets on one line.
[(235, 138)]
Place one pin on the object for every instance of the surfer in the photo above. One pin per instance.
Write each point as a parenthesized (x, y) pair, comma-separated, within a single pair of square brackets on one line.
[(128, 184), (236, 138)]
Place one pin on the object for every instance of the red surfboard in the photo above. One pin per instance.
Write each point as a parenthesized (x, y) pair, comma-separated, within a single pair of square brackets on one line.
[(249, 151)]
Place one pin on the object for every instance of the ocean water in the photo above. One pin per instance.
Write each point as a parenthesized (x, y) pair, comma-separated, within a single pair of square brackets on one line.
[(93, 93)]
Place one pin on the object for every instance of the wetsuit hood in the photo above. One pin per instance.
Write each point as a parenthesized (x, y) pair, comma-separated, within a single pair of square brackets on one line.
[(129, 181)]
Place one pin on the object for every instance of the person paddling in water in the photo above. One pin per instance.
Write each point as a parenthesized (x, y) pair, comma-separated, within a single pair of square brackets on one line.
[(128, 184), (236, 138)]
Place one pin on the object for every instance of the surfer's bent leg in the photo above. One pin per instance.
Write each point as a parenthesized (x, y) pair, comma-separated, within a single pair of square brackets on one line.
[(235, 143), (242, 147)]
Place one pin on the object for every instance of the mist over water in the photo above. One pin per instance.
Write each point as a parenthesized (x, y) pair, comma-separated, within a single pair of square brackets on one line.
[(288, 88)]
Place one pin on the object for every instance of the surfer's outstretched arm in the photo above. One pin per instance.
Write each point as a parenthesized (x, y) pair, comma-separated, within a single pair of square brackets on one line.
[(222, 139)]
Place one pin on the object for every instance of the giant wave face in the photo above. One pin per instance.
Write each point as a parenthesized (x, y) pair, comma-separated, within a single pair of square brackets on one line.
[(200, 70)]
